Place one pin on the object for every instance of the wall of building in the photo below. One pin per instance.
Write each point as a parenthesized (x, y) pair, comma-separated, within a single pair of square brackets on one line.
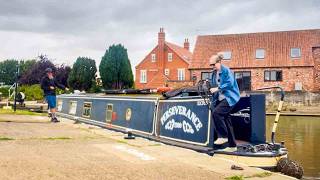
[(173, 65), (290, 76), (316, 57), (156, 69), (179, 84)]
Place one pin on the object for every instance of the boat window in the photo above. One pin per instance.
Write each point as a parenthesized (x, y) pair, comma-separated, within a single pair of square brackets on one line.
[(59, 107), (86, 110), (73, 107), (109, 112)]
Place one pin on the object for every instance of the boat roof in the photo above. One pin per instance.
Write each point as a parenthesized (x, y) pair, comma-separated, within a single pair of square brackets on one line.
[(102, 95)]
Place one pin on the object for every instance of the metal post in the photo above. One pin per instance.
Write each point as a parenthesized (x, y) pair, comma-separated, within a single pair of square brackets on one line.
[(16, 88), (276, 120)]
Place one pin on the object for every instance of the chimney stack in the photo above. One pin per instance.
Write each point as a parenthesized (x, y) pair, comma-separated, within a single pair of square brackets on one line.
[(161, 37), (186, 44)]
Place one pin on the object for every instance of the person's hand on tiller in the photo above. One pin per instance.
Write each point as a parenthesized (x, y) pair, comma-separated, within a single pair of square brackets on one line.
[(213, 90)]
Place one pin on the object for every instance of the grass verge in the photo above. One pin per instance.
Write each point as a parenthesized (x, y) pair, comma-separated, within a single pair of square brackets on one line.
[(56, 138), (3, 138), (21, 112), (258, 175)]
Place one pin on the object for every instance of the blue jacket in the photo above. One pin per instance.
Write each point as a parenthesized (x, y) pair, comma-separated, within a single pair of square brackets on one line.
[(228, 85)]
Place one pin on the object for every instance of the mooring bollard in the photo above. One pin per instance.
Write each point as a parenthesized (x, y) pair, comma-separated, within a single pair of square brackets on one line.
[(129, 134)]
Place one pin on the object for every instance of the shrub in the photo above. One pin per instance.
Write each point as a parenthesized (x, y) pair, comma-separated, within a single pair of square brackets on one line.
[(4, 91), (33, 92), (95, 88)]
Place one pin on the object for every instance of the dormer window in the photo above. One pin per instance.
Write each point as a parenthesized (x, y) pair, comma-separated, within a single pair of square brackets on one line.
[(227, 55), (295, 52), (170, 57), (153, 57), (260, 53)]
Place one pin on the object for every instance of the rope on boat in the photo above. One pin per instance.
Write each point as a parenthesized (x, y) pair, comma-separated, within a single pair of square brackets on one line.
[(257, 148)]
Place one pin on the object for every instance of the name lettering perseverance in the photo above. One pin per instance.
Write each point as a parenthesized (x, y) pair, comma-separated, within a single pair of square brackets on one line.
[(183, 111)]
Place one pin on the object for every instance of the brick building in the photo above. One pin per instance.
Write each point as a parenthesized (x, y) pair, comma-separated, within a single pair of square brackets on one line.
[(166, 65), (290, 59)]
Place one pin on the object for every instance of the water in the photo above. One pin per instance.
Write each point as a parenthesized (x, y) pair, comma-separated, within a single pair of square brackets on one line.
[(302, 138)]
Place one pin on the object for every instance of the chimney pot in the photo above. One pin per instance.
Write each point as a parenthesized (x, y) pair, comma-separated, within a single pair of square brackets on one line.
[(161, 37), (186, 44)]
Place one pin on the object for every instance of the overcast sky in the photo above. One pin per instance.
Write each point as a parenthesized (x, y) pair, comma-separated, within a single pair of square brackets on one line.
[(66, 29)]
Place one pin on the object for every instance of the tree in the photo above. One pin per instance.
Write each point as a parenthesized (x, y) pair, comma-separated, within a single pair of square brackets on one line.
[(8, 70), (115, 68), (83, 74), (26, 65), (37, 71), (62, 74)]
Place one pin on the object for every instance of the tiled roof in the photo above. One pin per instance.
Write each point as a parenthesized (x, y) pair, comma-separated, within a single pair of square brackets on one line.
[(181, 51), (158, 80), (243, 47)]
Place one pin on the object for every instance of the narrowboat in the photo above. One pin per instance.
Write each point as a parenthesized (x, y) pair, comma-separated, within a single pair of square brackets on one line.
[(183, 120)]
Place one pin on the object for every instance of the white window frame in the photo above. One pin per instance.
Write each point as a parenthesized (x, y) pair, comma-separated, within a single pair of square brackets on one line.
[(170, 57), (109, 111), (59, 106), (73, 107), (181, 74), (167, 72), (261, 50), (291, 52), (224, 55), (143, 76), (153, 57)]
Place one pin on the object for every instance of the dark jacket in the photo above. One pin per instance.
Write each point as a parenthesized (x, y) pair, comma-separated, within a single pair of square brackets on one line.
[(46, 83)]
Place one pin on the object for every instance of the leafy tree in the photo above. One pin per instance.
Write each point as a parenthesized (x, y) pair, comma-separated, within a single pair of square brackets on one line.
[(115, 68), (82, 75), (26, 65), (37, 71), (8, 71), (62, 74)]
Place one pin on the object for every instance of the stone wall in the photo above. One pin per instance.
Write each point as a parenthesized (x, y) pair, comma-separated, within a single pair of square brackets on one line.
[(297, 98)]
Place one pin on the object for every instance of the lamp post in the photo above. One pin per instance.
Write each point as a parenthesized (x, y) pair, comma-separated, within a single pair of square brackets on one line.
[(16, 87)]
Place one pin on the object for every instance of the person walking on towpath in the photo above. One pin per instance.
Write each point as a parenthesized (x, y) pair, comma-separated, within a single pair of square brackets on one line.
[(49, 85), (228, 94)]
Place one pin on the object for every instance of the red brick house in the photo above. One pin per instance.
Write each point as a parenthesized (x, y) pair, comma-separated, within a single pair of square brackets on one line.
[(290, 59), (166, 65)]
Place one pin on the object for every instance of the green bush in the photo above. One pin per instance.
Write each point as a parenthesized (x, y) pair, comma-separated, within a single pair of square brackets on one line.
[(4, 91), (94, 88), (33, 92)]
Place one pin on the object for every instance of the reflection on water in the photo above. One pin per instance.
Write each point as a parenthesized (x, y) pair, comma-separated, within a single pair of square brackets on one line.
[(302, 138)]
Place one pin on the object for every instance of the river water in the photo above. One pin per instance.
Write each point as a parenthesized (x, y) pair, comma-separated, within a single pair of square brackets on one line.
[(302, 138)]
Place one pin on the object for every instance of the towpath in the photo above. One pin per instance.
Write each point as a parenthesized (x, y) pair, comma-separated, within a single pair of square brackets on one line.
[(33, 148)]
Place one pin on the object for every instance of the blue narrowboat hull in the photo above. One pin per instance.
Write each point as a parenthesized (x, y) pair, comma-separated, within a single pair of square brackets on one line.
[(181, 121)]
